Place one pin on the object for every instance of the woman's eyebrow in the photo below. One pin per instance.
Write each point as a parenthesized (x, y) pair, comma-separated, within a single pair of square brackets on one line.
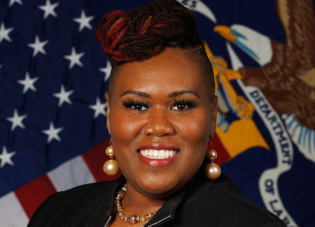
[(139, 93), (177, 93), (171, 95)]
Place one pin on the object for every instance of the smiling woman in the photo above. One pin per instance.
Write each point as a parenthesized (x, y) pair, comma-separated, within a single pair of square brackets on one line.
[(158, 105), (161, 112)]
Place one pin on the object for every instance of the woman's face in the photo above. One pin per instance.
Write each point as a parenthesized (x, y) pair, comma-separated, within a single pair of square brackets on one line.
[(160, 107)]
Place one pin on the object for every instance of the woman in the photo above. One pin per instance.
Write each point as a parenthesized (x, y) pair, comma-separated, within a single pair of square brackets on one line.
[(161, 114)]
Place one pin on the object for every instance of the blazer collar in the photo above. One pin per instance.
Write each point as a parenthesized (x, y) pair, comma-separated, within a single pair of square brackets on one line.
[(105, 208)]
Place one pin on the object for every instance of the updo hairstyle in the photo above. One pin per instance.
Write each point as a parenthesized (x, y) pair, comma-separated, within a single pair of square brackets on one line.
[(146, 31)]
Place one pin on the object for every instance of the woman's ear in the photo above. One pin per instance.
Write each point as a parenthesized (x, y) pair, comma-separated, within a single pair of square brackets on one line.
[(213, 123), (107, 112)]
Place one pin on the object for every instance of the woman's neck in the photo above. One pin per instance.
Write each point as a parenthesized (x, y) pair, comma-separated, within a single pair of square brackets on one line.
[(139, 204)]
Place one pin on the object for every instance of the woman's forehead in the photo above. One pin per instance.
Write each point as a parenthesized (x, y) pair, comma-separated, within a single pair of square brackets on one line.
[(166, 70)]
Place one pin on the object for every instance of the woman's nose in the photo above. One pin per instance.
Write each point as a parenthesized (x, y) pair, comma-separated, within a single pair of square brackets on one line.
[(159, 124)]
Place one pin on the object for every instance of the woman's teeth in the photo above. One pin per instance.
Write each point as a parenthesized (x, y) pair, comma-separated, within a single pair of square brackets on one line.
[(158, 153)]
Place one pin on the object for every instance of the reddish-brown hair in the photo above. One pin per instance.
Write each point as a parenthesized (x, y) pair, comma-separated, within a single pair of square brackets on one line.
[(143, 32), (146, 31)]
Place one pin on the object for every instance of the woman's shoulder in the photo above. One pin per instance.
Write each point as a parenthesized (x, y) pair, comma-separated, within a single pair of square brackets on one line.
[(222, 204), (80, 202), (238, 207)]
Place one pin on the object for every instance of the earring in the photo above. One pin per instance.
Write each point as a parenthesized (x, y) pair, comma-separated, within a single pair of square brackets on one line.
[(212, 170), (110, 167)]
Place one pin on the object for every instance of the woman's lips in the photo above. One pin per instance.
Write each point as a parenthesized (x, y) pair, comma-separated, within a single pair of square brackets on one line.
[(158, 155), (157, 162)]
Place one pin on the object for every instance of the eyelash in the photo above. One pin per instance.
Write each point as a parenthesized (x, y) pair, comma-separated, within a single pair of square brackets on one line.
[(132, 103), (138, 105), (186, 102)]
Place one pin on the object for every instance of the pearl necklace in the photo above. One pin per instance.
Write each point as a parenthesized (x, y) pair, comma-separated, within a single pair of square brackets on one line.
[(131, 219)]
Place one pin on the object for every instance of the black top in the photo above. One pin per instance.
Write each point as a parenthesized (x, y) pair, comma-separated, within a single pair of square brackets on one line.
[(202, 202)]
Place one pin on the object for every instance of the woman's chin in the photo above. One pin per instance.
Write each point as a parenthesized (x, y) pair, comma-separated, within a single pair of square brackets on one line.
[(157, 186)]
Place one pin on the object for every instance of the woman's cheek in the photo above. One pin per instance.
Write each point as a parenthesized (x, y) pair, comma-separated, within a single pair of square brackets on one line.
[(126, 128), (193, 128)]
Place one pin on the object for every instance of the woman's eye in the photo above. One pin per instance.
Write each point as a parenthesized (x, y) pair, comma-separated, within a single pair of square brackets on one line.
[(183, 105), (180, 107), (138, 107)]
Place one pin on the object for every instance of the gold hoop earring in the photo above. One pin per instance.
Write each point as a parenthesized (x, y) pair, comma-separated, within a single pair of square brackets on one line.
[(110, 167), (212, 170)]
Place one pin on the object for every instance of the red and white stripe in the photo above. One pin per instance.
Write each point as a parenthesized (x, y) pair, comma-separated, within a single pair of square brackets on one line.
[(16, 208)]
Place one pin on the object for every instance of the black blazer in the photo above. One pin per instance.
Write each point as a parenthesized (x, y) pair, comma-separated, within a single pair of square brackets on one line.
[(202, 202)]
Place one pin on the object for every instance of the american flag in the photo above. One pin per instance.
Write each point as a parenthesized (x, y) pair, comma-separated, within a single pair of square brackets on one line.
[(53, 76)]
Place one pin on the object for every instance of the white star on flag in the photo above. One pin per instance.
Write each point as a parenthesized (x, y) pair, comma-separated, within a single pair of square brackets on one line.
[(15, 1), (84, 21), (63, 96), (4, 33), (28, 83), (74, 58), (52, 133), (49, 9), (16, 120), (106, 70), (98, 108), (38, 46), (5, 157)]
